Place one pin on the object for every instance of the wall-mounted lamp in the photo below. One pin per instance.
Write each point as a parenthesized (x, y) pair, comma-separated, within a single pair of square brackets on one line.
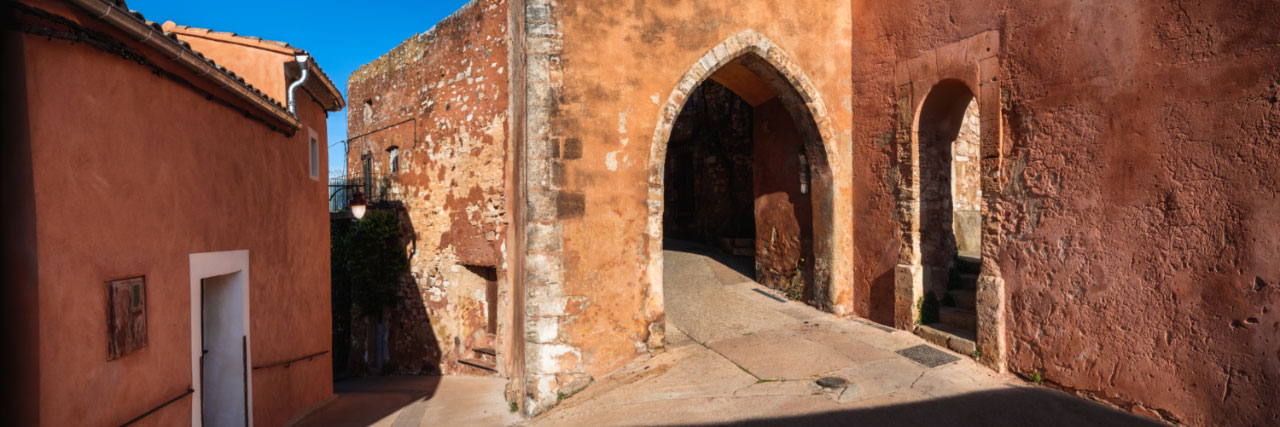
[(358, 205)]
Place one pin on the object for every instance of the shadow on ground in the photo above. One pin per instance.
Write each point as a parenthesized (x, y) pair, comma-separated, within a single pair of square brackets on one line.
[(365, 401), (1013, 407), (741, 264)]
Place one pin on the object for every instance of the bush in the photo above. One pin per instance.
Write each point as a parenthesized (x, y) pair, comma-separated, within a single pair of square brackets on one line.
[(373, 260)]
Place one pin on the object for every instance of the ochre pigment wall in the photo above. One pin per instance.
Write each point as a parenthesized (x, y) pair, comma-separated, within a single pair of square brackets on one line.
[(1139, 202), (260, 66), (784, 216), (599, 74), (133, 173), (442, 98)]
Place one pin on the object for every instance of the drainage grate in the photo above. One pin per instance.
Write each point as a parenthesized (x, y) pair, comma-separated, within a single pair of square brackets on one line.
[(927, 356), (832, 382)]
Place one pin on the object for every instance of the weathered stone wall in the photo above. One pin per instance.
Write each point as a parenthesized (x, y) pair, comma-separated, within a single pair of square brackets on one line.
[(442, 98), (1137, 194), (784, 213), (1132, 190), (599, 73), (966, 180)]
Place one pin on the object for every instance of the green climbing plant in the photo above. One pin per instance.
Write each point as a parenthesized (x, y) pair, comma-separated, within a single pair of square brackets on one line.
[(795, 286), (374, 260)]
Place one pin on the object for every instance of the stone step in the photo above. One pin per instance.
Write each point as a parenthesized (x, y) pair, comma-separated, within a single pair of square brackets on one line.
[(959, 317), (964, 298), (482, 364), (968, 264), (486, 354), (949, 337), (968, 281)]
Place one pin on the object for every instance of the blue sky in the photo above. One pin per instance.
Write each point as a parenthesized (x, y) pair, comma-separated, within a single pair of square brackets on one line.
[(342, 35)]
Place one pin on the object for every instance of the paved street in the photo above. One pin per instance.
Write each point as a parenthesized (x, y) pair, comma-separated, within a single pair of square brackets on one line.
[(738, 353)]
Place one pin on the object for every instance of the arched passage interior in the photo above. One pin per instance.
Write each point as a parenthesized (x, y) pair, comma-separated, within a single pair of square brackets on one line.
[(744, 172)]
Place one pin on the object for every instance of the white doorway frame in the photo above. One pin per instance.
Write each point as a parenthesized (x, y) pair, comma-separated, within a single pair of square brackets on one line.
[(203, 266)]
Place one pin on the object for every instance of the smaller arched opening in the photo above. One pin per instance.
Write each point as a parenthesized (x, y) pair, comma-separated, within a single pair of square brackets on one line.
[(949, 142)]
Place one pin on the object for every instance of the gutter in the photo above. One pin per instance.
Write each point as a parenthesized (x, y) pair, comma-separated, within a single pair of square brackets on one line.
[(176, 51)]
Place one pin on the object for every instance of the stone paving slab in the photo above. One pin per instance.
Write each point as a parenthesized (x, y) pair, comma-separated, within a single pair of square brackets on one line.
[(763, 339), (415, 401), (780, 354)]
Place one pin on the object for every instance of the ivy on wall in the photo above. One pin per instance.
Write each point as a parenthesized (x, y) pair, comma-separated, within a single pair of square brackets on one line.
[(367, 262), (372, 259)]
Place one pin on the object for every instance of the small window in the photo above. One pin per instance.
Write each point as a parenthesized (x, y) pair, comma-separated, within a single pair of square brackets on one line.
[(393, 159), (804, 173), (315, 159), (368, 112), (126, 316)]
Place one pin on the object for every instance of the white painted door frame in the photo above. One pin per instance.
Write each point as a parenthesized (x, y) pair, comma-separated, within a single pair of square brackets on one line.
[(203, 266)]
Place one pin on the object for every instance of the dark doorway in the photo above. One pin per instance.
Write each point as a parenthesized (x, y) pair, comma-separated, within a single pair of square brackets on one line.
[(710, 193), (950, 199)]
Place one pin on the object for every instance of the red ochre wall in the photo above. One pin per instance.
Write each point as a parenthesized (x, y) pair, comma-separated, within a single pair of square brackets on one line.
[(784, 216), (1139, 201), (132, 173), (442, 98)]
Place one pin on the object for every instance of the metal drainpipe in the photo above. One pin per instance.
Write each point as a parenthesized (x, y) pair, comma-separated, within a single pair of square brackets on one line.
[(302, 63)]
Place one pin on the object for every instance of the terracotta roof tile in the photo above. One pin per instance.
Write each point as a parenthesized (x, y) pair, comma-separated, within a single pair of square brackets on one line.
[(187, 47)]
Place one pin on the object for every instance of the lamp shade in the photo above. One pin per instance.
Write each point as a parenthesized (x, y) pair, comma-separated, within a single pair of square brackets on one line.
[(358, 205)]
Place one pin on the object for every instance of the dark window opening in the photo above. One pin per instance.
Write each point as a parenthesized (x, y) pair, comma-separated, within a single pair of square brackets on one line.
[(490, 276), (393, 159)]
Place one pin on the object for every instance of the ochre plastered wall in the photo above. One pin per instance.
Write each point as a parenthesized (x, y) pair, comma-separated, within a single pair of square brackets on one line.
[(602, 76), (783, 214), (260, 66), (134, 172), (442, 98), (1136, 199)]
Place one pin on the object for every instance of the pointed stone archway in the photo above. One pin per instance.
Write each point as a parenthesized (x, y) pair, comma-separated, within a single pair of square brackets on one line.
[(756, 69)]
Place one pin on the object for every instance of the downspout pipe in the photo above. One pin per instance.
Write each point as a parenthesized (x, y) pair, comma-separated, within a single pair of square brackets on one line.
[(293, 88)]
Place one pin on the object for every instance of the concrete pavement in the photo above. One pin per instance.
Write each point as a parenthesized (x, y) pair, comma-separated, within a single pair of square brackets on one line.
[(738, 353), (411, 401)]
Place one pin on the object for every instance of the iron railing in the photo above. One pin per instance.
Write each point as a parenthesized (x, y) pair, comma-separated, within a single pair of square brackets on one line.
[(376, 189)]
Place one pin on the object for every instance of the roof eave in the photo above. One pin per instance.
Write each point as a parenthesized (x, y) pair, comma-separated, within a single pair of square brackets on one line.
[(149, 34)]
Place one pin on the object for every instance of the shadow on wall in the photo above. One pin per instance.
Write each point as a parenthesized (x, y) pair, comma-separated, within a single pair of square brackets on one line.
[(398, 338), (1012, 407), (882, 297)]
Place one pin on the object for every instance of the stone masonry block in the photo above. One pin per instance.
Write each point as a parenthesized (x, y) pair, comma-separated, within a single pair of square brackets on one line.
[(990, 305), (984, 45), (908, 286), (544, 237), (989, 72), (541, 206)]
